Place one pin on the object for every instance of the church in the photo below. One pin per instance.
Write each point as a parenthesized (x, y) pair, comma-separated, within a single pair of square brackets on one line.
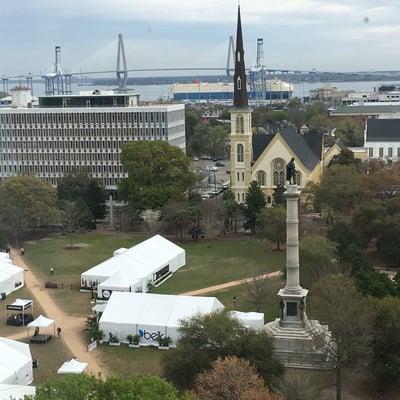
[(263, 157)]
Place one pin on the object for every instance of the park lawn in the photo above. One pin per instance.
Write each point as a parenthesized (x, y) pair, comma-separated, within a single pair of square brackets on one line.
[(270, 307), (129, 362), (68, 264), (50, 357), (234, 259)]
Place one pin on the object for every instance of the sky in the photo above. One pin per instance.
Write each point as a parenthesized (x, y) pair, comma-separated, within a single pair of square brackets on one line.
[(335, 35)]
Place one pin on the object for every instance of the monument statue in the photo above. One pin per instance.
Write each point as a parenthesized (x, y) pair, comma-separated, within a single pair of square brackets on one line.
[(291, 172)]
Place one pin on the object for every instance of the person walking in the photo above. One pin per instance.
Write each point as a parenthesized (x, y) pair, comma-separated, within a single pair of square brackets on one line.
[(58, 332), (22, 251)]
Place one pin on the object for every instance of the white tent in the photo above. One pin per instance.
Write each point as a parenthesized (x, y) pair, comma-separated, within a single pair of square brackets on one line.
[(11, 277), (151, 261), (41, 322), (15, 363), (72, 367), (250, 320), (16, 392), (150, 315)]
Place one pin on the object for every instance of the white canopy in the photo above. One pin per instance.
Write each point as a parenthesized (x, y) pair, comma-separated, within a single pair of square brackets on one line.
[(11, 277), (41, 322), (15, 363), (134, 268), (250, 320), (149, 315), (72, 367), (16, 392), (4, 254), (20, 305)]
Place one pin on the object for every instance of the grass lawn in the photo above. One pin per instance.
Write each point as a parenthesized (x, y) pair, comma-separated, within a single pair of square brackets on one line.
[(128, 362), (270, 307), (69, 264), (234, 259)]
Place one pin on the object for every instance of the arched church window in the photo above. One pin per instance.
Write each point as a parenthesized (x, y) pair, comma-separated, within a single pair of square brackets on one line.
[(240, 153), (261, 178), (238, 55), (298, 178), (239, 124), (239, 83), (278, 171)]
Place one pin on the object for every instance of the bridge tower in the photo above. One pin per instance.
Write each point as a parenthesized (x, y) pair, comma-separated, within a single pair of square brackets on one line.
[(231, 56), (122, 70)]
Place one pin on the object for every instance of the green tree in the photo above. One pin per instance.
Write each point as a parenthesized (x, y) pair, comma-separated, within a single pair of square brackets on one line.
[(385, 363), (230, 211), (388, 243), (204, 338), (96, 200), (192, 119), (254, 204), (346, 157), (317, 259), (25, 203), (278, 196), (377, 284), (350, 131), (336, 301), (347, 181), (272, 224), (157, 173)]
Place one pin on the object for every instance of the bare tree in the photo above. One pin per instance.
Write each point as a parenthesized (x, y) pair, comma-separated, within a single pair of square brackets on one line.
[(258, 290), (72, 218)]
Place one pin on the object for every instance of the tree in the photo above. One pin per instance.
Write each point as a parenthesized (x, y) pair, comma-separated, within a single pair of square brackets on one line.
[(258, 290), (317, 259), (299, 385), (231, 378), (96, 200), (345, 157), (335, 300), (347, 181), (377, 284), (25, 203), (72, 219), (230, 211), (272, 224), (204, 338), (385, 363), (350, 132), (157, 174), (84, 387), (388, 243), (278, 196), (254, 204)]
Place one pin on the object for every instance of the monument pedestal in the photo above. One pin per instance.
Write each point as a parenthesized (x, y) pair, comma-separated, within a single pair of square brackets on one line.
[(298, 341)]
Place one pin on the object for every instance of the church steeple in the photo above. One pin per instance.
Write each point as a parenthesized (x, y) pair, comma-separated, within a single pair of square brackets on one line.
[(240, 85)]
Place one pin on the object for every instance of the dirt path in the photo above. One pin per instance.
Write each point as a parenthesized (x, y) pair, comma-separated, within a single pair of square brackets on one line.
[(72, 327), (227, 285)]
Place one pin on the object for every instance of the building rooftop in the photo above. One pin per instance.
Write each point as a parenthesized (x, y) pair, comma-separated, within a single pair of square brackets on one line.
[(383, 130), (368, 109)]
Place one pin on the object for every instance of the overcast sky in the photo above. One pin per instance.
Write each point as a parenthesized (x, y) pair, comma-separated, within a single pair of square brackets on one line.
[(336, 35)]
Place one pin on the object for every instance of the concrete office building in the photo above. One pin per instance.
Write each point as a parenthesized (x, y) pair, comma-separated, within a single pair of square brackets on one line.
[(82, 132)]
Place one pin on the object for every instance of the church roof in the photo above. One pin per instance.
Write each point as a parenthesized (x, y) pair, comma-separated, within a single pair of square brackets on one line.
[(383, 130), (307, 147)]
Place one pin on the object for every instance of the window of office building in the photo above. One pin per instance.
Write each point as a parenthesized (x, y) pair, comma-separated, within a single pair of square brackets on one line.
[(371, 152), (390, 151), (381, 152)]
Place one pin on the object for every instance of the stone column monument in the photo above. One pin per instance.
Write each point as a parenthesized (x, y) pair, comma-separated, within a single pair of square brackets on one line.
[(294, 335)]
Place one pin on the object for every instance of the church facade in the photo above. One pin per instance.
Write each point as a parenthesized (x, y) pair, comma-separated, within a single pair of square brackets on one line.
[(263, 157)]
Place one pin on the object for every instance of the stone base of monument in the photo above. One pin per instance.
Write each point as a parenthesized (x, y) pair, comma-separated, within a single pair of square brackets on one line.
[(306, 347)]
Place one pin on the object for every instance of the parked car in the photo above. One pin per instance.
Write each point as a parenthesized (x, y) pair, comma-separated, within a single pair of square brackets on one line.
[(219, 164), (195, 159)]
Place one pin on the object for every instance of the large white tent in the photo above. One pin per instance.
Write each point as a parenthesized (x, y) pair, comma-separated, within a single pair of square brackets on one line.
[(15, 363), (11, 276), (151, 315), (132, 270), (16, 392)]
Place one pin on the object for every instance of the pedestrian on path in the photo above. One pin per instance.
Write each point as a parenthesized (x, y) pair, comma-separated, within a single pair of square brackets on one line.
[(58, 332), (22, 251)]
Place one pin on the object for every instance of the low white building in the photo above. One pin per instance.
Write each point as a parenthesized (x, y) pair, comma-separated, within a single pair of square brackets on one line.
[(152, 315), (382, 138), (133, 270), (11, 276), (15, 363)]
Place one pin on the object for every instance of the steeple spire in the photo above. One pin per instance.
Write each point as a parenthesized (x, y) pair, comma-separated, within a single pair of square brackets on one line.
[(240, 85)]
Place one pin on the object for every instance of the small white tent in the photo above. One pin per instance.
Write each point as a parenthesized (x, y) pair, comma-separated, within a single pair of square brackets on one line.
[(11, 277), (72, 367), (151, 315), (149, 262), (250, 320), (15, 363)]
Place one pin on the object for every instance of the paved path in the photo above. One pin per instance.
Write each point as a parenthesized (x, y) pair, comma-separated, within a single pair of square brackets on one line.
[(227, 285), (72, 327)]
